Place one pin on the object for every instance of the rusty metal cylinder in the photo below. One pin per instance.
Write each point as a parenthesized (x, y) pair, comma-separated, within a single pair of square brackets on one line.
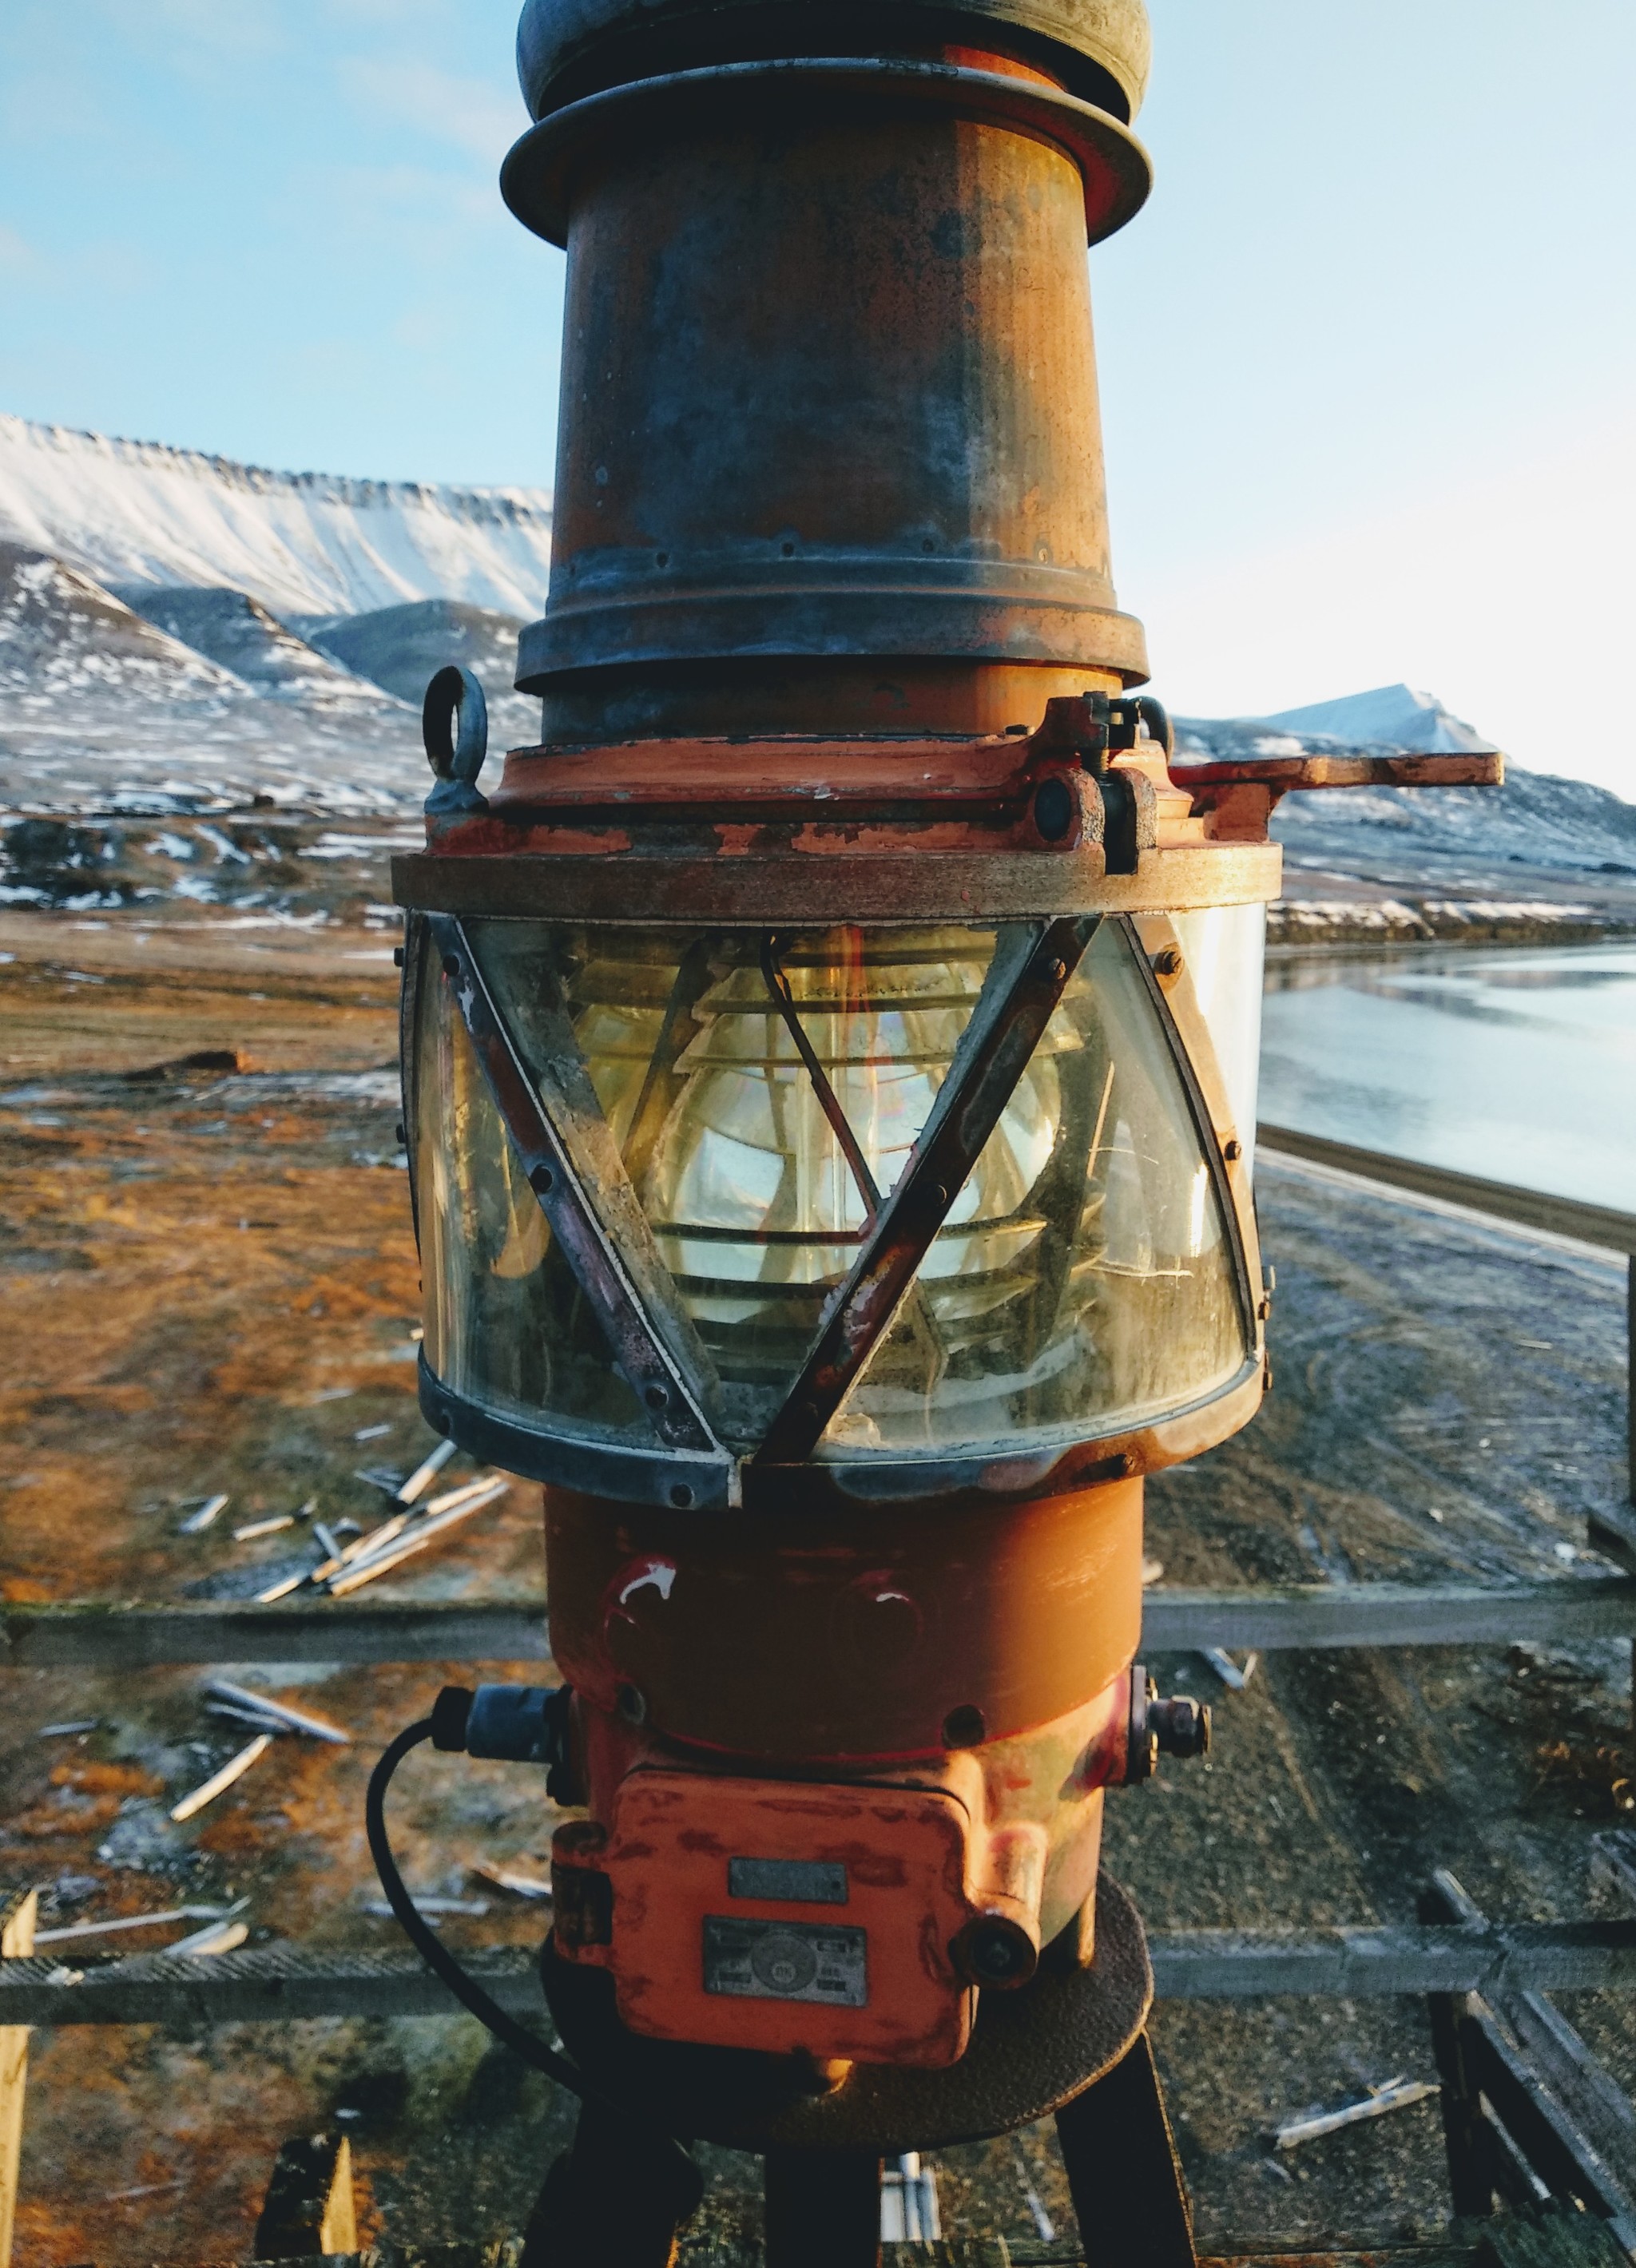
[(854, 1640), (829, 455)]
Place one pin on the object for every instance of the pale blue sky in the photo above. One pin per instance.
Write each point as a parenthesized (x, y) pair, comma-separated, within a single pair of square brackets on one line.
[(1368, 357)]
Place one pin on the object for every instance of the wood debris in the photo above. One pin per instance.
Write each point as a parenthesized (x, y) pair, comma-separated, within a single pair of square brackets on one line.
[(1228, 1671), (423, 1475), (220, 1782), (414, 1539), (212, 1914), (1394, 2094), (216, 1937), (197, 1522), (254, 1527), (507, 1878), (299, 1720)]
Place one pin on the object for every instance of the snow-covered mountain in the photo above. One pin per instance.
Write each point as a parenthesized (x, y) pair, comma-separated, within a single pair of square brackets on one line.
[(402, 647), (1390, 716), (231, 628), (303, 543), (101, 711), (1440, 837)]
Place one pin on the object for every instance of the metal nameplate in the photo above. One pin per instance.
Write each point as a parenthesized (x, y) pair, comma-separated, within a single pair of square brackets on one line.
[(786, 1961), (800, 1882)]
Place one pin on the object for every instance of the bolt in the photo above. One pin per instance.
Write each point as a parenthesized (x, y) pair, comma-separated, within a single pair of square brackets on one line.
[(965, 1727), (1180, 1726), (681, 1496), (1053, 810), (996, 1953), (542, 1181), (1233, 1150), (656, 1397), (1168, 963), (451, 966), (1051, 972), (632, 1704)]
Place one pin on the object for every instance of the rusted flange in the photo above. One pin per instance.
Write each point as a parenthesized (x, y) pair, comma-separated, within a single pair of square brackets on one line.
[(1030, 2053)]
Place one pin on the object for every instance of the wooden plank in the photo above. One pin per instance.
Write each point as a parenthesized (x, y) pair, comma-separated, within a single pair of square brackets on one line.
[(1563, 2157), (1390, 1614), (1606, 1226), (130, 1636), (280, 1983), (269, 1985), (18, 1912), (1594, 2112), (310, 2211), (1364, 1962), (135, 1636)]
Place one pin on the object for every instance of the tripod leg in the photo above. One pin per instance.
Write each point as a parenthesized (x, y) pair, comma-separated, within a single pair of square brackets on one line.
[(1128, 2191), (608, 2203), (823, 2209)]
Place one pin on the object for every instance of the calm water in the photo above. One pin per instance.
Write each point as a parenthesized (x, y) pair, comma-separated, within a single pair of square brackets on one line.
[(1519, 1064)]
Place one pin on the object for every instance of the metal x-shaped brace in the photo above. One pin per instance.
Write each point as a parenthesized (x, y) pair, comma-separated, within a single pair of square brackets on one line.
[(1031, 965), (1026, 979)]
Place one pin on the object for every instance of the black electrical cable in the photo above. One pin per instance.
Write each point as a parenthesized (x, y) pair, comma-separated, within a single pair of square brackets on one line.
[(471, 1995)]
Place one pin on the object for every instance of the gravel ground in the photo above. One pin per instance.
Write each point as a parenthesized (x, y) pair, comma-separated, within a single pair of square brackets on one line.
[(210, 1285)]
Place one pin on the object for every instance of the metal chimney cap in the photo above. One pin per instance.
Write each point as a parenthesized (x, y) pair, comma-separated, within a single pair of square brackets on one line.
[(1099, 49)]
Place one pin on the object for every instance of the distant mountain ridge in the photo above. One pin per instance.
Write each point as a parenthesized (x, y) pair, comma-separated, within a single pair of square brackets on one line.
[(1394, 715), (1414, 835), (302, 543)]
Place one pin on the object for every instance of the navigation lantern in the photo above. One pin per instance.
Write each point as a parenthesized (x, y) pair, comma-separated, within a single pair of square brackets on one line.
[(830, 1066)]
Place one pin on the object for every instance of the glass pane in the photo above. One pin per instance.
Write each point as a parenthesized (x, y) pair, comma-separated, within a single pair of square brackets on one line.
[(506, 1325), (1224, 947), (1083, 1281), (755, 1208), (1084, 1284)]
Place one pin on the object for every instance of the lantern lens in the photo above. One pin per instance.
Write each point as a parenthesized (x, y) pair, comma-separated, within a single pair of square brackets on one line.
[(764, 1092)]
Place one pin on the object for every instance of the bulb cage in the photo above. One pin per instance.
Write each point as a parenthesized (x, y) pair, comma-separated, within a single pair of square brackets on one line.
[(714, 1216)]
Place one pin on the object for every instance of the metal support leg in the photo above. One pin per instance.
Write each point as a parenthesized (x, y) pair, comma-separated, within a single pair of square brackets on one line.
[(823, 2209), (1120, 2156), (608, 2203)]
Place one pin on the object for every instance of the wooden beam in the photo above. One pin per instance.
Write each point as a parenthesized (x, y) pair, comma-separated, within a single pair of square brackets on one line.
[(275, 1983), (132, 1635), (135, 1636), (1211, 1964), (281, 1984), (1390, 1614), (1606, 1226), (17, 1910)]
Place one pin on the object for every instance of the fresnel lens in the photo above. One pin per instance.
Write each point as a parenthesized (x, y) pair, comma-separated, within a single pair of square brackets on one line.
[(830, 1064)]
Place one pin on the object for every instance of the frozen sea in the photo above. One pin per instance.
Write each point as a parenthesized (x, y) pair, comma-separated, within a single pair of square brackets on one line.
[(1519, 1066)]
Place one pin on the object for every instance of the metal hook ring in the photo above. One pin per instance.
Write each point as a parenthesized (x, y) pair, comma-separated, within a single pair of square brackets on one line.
[(454, 725)]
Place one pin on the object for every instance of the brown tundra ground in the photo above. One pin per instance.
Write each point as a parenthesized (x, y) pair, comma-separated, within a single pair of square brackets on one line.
[(210, 1284)]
